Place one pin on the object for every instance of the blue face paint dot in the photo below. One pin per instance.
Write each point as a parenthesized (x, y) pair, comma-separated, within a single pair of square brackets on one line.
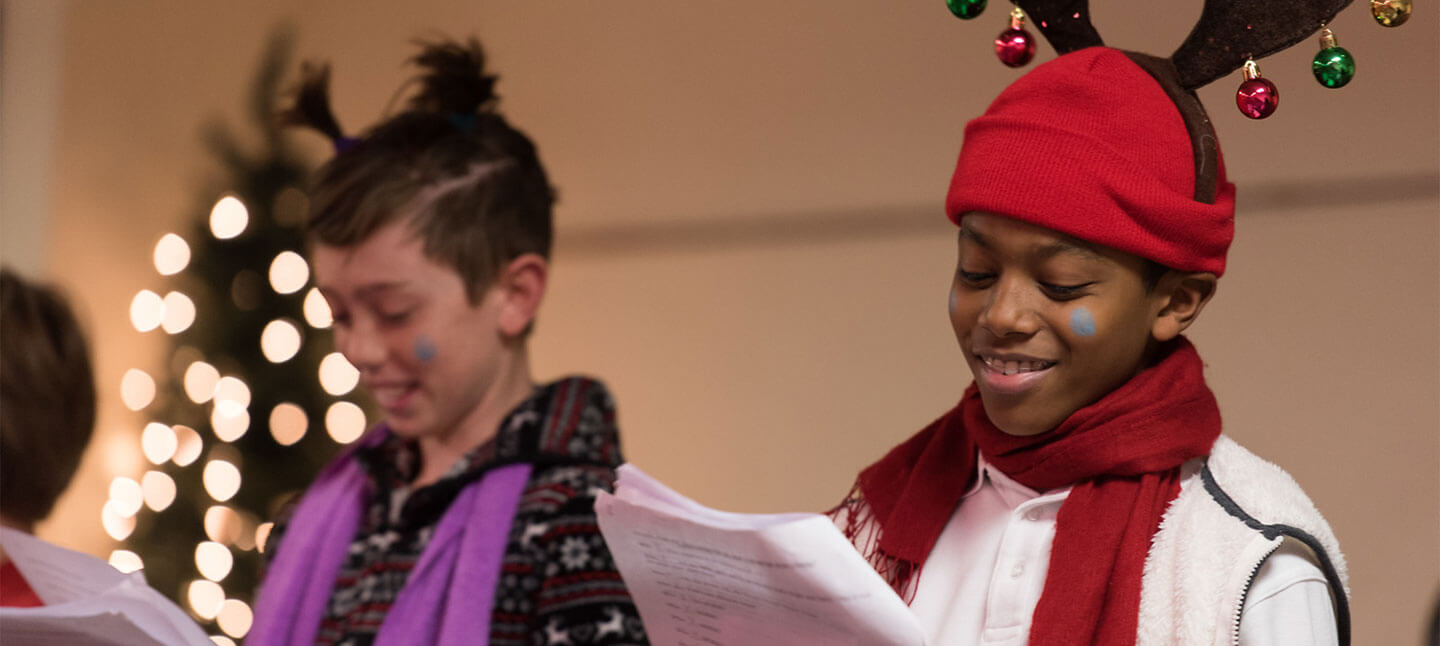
[(424, 349), (1082, 322)]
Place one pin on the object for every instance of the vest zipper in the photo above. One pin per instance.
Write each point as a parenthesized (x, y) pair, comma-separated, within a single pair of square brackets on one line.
[(1245, 592)]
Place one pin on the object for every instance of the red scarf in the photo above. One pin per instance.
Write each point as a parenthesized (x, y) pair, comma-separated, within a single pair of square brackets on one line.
[(1122, 454)]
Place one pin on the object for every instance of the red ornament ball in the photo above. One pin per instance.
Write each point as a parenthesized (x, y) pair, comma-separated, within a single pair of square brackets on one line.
[(1257, 98), (1015, 47)]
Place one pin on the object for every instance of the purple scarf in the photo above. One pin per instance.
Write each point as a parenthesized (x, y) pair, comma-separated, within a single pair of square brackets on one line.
[(460, 563)]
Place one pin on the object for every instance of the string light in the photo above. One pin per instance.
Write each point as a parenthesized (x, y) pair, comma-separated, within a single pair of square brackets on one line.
[(317, 310), (188, 445), (179, 313), (200, 381), (222, 480), (158, 443), (228, 218), (126, 496), (345, 422), (205, 597), (235, 618), (159, 490), (137, 389), (262, 535), (245, 532), (288, 272), (287, 423), (229, 428), (147, 310), (118, 526), (337, 376), (232, 396), (172, 255), (213, 560), (126, 561), (279, 341), (222, 524)]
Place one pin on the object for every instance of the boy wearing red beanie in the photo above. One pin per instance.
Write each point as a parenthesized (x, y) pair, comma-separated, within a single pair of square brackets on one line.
[(1081, 491)]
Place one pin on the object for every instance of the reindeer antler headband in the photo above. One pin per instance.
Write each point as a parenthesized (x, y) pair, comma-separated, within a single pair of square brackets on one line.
[(1230, 35)]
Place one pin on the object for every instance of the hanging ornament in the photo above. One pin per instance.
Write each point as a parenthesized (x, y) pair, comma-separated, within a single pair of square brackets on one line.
[(1015, 46), (1257, 97), (1333, 66), (1390, 13), (965, 9)]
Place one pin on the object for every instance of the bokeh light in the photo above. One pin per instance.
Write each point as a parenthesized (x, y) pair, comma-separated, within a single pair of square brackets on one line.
[(179, 313), (147, 310), (337, 376), (200, 380), (228, 218), (221, 640), (126, 496), (126, 561), (262, 535), (222, 480), (222, 524), (317, 310), (205, 597), (213, 560), (232, 396), (188, 445), (158, 442), (288, 272), (279, 341), (159, 490), (345, 422), (288, 423), (137, 389), (118, 526), (229, 428), (235, 618), (172, 254)]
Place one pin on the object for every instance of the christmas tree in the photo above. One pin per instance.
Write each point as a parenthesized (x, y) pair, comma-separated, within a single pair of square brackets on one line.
[(250, 403)]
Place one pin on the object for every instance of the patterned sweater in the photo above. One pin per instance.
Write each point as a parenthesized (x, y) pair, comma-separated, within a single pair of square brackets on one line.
[(558, 583)]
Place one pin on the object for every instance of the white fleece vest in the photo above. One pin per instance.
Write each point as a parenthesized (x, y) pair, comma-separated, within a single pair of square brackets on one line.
[(1233, 511)]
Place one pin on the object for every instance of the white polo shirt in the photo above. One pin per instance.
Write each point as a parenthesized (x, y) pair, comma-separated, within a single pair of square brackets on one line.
[(982, 580)]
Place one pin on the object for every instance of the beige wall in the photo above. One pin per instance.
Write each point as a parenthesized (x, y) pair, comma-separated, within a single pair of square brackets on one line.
[(751, 250)]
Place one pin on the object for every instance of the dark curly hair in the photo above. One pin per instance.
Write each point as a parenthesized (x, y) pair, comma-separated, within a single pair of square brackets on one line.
[(469, 183)]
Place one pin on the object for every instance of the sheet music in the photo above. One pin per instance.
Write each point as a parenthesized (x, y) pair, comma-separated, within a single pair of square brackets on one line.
[(703, 577), (88, 602)]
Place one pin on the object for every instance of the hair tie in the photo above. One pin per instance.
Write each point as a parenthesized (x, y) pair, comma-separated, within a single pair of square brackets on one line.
[(463, 122), (343, 144)]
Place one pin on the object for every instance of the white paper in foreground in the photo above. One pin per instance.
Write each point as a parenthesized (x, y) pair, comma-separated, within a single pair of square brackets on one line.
[(88, 602), (703, 577)]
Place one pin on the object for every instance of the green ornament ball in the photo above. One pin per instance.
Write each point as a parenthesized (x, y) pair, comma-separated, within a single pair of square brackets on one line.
[(1333, 67), (965, 9)]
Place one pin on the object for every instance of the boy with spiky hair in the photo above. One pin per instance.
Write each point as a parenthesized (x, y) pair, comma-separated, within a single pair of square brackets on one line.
[(1081, 492), (467, 515)]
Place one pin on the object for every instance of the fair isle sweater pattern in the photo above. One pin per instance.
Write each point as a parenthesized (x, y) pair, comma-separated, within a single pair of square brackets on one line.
[(558, 583)]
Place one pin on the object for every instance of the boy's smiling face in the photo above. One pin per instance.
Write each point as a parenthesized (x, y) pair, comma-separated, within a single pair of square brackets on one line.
[(1049, 324), (426, 353)]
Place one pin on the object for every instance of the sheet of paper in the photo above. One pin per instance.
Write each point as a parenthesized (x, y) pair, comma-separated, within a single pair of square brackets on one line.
[(88, 602), (703, 577)]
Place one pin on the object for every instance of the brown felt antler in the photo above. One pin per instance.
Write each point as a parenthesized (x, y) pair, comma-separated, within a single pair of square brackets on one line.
[(1231, 31)]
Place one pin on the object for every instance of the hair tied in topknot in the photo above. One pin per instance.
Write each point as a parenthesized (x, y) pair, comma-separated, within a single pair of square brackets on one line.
[(312, 106), (453, 81)]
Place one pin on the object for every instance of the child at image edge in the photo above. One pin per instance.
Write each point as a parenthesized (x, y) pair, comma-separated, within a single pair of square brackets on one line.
[(1081, 492), (467, 515)]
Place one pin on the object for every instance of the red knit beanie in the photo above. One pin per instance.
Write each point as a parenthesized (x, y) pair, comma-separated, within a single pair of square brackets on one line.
[(1091, 146)]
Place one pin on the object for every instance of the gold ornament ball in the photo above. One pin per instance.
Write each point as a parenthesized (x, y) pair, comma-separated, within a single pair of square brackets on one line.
[(1391, 13)]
